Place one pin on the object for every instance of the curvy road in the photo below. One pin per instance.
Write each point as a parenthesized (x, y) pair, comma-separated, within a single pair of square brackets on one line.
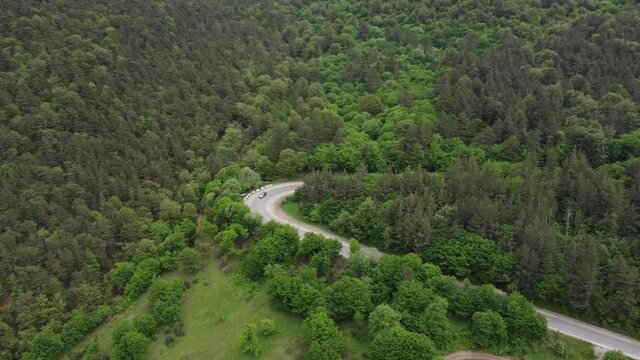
[(269, 208)]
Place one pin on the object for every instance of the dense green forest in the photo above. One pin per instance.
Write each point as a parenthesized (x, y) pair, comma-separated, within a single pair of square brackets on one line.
[(113, 114), (499, 140), (514, 160)]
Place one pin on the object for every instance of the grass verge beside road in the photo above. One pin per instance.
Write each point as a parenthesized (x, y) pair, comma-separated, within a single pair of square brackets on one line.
[(292, 208)]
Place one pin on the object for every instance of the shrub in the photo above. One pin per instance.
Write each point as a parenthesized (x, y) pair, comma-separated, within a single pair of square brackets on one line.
[(488, 329), (145, 324), (354, 246), (178, 328), (322, 263), (101, 314), (130, 346), (399, 344), (383, 317), (249, 340), (614, 355), (120, 329), (79, 325), (267, 327), (359, 326), (324, 339), (169, 340), (164, 300), (92, 352), (190, 260), (119, 276), (562, 350), (47, 344), (293, 294), (348, 296)]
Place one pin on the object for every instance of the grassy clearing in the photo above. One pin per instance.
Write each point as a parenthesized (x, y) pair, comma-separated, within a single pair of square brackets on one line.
[(581, 349), (215, 311)]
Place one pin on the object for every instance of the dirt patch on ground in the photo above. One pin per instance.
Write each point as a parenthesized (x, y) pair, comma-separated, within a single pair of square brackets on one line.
[(5, 301), (474, 355), (599, 352), (222, 264)]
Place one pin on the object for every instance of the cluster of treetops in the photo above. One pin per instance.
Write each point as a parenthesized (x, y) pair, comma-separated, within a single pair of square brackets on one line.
[(401, 304), (517, 120)]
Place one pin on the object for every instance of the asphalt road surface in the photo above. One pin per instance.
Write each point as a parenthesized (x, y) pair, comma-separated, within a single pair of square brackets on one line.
[(269, 208)]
